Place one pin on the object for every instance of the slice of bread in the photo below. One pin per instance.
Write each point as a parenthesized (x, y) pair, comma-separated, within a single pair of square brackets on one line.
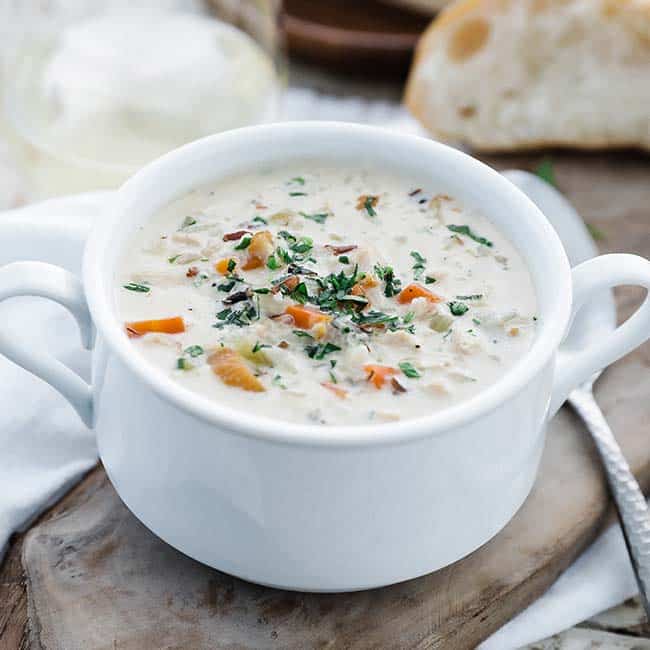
[(430, 7), (504, 75)]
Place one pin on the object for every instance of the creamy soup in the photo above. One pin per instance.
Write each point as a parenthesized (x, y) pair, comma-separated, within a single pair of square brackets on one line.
[(323, 294)]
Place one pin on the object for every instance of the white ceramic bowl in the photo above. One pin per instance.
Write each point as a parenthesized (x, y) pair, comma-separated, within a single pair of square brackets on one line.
[(308, 507)]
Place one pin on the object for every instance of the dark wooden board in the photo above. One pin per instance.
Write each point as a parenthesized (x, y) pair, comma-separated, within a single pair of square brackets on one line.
[(96, 578)]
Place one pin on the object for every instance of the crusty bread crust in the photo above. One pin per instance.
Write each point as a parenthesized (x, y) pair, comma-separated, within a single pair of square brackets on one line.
[(510, 75)]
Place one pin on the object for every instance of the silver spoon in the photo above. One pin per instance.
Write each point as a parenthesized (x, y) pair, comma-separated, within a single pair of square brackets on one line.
[(593, 321)]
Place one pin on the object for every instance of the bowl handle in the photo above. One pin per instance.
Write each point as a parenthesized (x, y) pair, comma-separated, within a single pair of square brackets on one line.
[(589, 278), (52, 282)]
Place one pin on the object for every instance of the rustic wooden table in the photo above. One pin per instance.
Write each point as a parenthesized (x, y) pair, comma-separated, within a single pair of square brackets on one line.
[(611, 191)]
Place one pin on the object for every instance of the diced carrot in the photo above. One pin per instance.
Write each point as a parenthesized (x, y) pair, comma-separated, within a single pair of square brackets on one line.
[(379, 374), (222, 265), (412, 291), (230, 367), (252, 263), (174, 325), (337, 390), (306, 317)]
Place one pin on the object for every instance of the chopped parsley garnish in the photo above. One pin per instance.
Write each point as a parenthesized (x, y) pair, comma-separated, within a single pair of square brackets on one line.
[(335, 288), (297, 193), (262, 291), (259, 346), (184, 364), (287, 236), (546, 171), (418, 267), (194, 351), (428, 279), (139, 288), (391, 283), (476, 321), (273, 263), (173, 258), (318, 217), (375, 318), (283, 255), (344, 259), (409, 370), (458, 308), (187, 222), (303, 334), (473, 296), (299, 180), (226, 286), (468, 232), (300, 293), (408, 317), (231, 265), (321, 350), (258, 219), (244, 243), (239, 317), (303, 245)]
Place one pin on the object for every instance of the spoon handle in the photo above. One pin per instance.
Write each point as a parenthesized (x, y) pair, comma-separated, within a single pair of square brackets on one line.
[(632, 508)]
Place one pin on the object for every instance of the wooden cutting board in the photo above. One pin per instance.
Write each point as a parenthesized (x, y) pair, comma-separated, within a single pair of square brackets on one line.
[(96, 578)]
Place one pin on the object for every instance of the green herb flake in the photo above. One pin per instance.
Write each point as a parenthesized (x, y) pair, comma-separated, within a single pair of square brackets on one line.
[(428, 279), (259, 346), (409, 370), (546, 171), (458, 308), (318, 217), (321, 350), (258, 219), (272, 263), (418, 267), (184, 364), (302, 245), (468, 232), (226, 286), (303, 334), (263, 291), (473, 296), (476, 321), (300, 293), (231, 265), (298, 180), (244, 243), (297, 193), (392, 284), (344, 259), (173, 259), (194, 351), (138, 288)]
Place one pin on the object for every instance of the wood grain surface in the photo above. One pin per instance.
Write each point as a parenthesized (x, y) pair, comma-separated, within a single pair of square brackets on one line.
[(89, 575)]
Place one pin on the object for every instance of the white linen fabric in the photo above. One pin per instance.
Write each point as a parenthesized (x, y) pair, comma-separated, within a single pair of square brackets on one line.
[(44, 448)]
